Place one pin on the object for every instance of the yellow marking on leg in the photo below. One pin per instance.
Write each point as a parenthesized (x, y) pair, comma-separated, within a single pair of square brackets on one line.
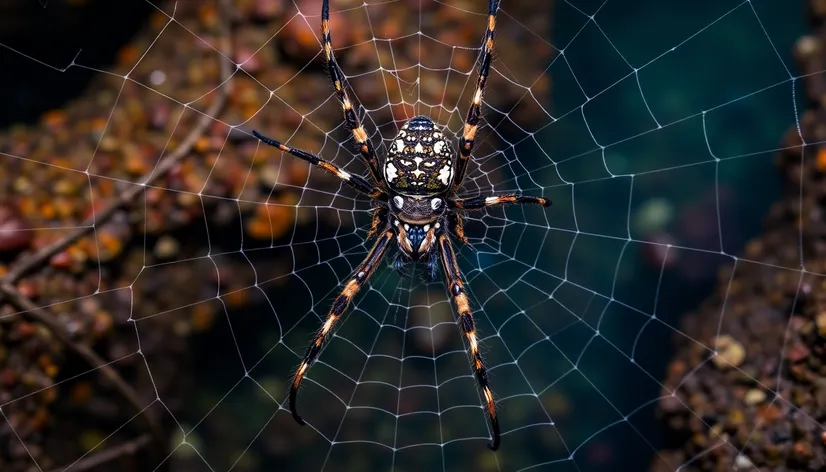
[(360, 134), (491, 22), (325, 26), (301, 369), (284, 148), (470, 132), (328, 167), (328, 50), (474, 345), (347, 104), (326, 327), (351, 288), (477, 97), (490, 44), (489, 400), (462, 304), (460, 229), (337, 84)]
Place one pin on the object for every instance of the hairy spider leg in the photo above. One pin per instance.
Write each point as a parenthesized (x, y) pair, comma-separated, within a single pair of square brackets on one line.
[(356, 181), (351, 119), (453, 279), (457, 226), (379, 220), (475, 111), (477, 203), (351, 288)]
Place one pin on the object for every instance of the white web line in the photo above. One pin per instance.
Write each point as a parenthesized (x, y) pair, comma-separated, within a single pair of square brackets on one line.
[(513, 155)]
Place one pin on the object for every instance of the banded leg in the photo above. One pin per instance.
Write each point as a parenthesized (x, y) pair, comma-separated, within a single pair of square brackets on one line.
[(477, 203), (457, 226), (453, 279), (475, 111), (350, 117), (356, 181), (379, 220), (362, 274)]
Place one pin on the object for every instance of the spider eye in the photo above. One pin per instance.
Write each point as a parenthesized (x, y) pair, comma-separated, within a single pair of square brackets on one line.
[(435, 203), (399, 201)]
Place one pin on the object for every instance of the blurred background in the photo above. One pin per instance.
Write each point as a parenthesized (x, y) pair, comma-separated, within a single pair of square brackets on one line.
[(163, 273)]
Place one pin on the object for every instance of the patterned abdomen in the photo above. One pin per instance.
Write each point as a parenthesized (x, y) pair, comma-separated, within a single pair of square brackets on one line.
[(420, 159)]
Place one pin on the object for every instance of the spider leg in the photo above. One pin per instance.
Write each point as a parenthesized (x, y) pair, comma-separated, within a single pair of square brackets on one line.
[(453, 279), (350, 117), (475, 111), (457, 226), (477, 203), (379, 219), (431, 268), (356, 181), (400, 265), (362, 274)]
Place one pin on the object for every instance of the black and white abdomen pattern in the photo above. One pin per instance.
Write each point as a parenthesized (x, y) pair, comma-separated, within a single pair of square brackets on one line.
[(420, 159)]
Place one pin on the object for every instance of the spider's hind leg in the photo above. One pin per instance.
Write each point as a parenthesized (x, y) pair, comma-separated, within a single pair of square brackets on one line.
[(400, 265), (431, 268)]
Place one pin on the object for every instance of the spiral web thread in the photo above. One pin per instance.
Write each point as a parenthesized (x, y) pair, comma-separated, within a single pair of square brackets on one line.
[(567, 325)]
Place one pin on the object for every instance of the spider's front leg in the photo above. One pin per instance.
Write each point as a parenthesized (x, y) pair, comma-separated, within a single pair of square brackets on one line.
[(477, 203), (453, 279), (361, 275), (351, 119), (355, 181), (474, 113)]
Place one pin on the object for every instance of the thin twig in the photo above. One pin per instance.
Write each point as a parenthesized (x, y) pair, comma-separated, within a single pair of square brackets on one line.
[(107, 455)]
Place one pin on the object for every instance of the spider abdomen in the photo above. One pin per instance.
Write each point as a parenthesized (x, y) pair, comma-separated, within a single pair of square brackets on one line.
[(420, 159)]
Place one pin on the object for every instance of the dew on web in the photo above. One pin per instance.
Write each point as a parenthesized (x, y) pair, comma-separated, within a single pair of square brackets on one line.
[(162, 272)]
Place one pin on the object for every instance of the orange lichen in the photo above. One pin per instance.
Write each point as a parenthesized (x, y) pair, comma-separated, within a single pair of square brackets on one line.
[(236, 298), (39, 420), (27, 288), (821, 159), (108, 247), (202, 145), (61, 260), (271, 220), (208, 15), (54, 118), (203, 316), (81, 393), (101, 324)]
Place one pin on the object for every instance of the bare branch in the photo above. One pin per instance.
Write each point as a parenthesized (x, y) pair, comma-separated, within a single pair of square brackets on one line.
[(107, 455)]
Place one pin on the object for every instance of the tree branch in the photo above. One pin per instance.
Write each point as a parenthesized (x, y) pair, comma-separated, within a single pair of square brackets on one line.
[(107, 455)]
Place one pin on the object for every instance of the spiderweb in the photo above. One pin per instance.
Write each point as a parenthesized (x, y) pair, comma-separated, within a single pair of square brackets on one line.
[(649, 127)]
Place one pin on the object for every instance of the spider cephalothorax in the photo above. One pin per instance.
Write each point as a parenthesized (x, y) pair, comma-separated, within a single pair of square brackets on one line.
[(416, 205)]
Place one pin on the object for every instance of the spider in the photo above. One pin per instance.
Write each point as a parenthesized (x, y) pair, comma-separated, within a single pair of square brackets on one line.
[(414, 190)]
